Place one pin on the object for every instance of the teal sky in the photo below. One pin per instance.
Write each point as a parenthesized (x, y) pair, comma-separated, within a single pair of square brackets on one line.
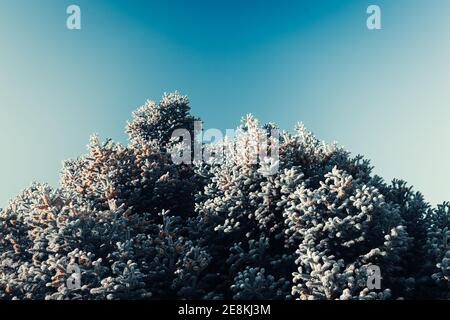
[(384, 94)]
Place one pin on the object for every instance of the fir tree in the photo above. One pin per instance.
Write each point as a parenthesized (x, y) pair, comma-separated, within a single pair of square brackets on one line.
[(291, 218)]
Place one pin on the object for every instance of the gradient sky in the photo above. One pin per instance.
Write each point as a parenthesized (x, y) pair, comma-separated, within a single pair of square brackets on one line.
[(384, 94)]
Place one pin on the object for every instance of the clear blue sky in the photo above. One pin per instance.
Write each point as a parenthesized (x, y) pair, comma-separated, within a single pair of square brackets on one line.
[(384, 94)]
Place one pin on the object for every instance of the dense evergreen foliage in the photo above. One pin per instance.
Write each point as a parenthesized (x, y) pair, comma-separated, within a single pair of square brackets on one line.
[(139, 226)]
